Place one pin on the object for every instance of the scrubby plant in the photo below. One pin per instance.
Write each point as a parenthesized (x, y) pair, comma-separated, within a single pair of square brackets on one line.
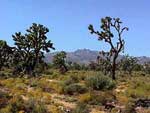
[(57, 87), (71, 79), (99, 82), (4, 99), (55, 109), (85, 98), (75, 88), (81, 108), (128, 64), (6, 109), (97, 98), (33, 106), (16, 104), (139, 88), (130, 107)]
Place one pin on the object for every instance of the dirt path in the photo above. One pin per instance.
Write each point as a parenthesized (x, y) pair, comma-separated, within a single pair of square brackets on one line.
[(61, 99), (122, 87), (52, 80), (5, 90), (94, 110), (69, 105)]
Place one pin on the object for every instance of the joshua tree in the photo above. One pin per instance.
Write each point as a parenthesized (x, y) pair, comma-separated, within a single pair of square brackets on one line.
[(104, 65), (110, 25), (5, 52), (128, 64), (59, 61), (146, 67), (32, 45)]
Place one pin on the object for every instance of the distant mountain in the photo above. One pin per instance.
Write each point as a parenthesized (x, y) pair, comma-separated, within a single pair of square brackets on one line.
[(85, 56), (143, 59)]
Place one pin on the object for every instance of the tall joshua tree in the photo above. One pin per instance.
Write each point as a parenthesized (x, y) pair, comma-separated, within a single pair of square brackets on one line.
[(110, 28), (33, 44)]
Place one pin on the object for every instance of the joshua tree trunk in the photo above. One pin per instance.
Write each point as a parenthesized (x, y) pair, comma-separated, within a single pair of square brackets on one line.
[(114, 67), (113, 70)]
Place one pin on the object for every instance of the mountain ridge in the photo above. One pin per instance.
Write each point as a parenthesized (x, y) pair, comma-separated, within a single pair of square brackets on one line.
[(85, 56)]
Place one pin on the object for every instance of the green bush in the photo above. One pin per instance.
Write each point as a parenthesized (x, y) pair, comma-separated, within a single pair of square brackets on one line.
[(71, 80), (74, 88), (6, 109), (33, 83), (34, 106), (97, 98), (100, 82), (17, 104)]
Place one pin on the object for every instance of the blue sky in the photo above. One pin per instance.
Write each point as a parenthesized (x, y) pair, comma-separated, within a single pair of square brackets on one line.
[(68, 21)]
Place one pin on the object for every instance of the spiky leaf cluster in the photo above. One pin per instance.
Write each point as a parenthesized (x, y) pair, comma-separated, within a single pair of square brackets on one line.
[(108, 25), (5, 54), (32, 45), (59, 59)]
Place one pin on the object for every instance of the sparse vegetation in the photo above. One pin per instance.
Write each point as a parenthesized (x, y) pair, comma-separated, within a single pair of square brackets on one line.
[(30, 85), (100, 82)]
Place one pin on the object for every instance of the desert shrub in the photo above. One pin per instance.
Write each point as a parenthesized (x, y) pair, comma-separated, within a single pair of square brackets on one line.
[(3, 102), (70, 85), (100, 82), (3, 75), (95, 98), (102, 98), (44, 84), (56, 87), (33, 83), (6, 109), (139, 88), (122, 99), (48, 72), (82, 77), (74, 88), (34, 106), (20, 86), (16, 104), (71, 80), (54, 109), (85, 98), (130, 107), (53, 76), (4, 95), (81, 108), (135, 93), (4, 98)]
